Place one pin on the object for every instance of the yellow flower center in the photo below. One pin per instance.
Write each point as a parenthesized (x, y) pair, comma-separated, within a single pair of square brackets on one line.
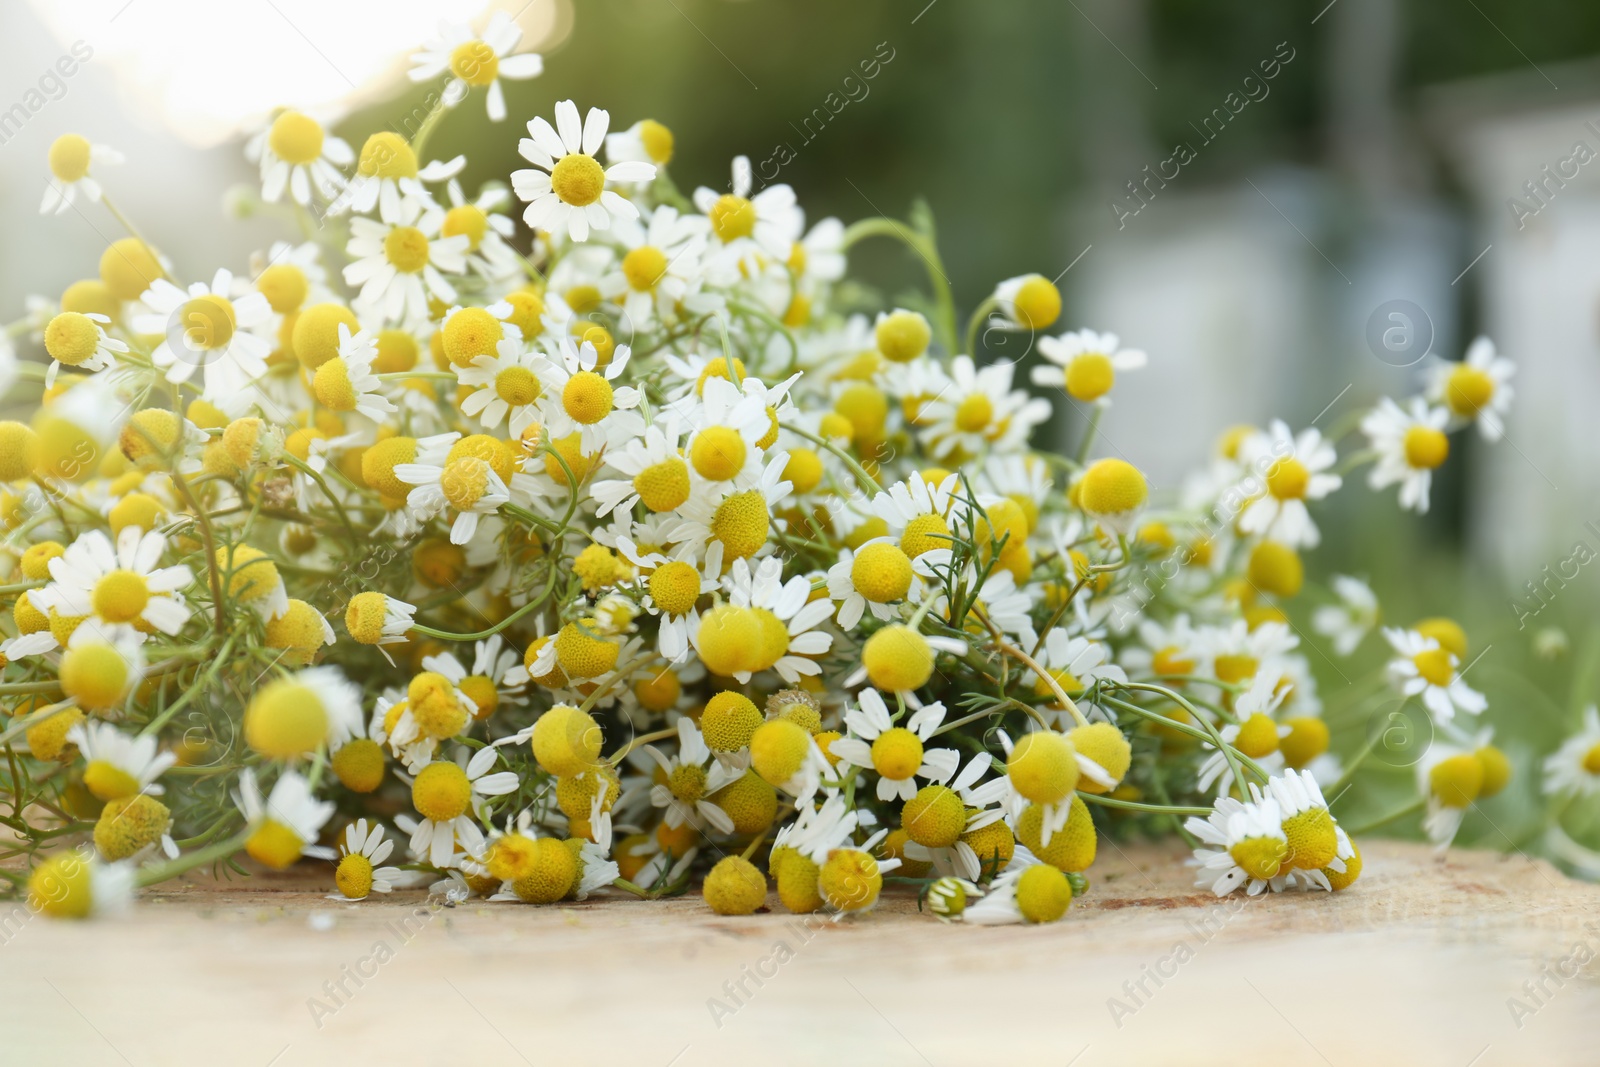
[(69, 157), (333, 387), (387, 155), (1235, 668), (1170, 661), (121, 596), (406, 249), (475, 63), (732, 217), (1313, 840), (108, 781), (285, 720), (274, 845), (71, 338), (468, 221), (1258, 736), (849, 880), (582, 655), (718, 453), (353, 876), (1468, 390), (727, 633), (657, 141), (1288, 479), (902, 336), (295, 138), (1457, 780), (1426, 448), (663, 486), (1038, 303), (1260, 857), (284, 285), (94, 675), (441, 791), (897, 658), (578, 179), (517, 386), (1043, 893), (1090, 376), (881, 572), (359, 765), (771, 643), (587, 397), (934, 817), (1434, 665), (1043, 767), (644, 267), (675, 587), (464, 482), (483, 693), (1111, 487), (1591, 760), (566, 741), (924, 534), (130, 823), (897, 753), (208, 322), (688, 783), (741, 522), (974, 413)]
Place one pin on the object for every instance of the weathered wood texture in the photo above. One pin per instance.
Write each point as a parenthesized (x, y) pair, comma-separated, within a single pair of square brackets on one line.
[(1416, 965)]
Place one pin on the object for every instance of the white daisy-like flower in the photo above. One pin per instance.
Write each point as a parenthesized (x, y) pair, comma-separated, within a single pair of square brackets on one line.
[(1422, 668), (728, 426), (997, 905), (1477, 389), (897, 754), (204, 327), (487, 230), (885, 577), (119, 585), (1286, 470), (769, 222), (1026, 302), (79, 340), (1076, 663), (71, 159), (296, 153), (689, 783), (117, 764), (1411, 444), (1249, 846), (674, 588), (716, 512), (487, 684), (646, 141), (400, 263), (1085, 364), (466, 484), (566, 187), (656, 472), (1348, 622), (387, 175), (660, 269), (977, 409), (917, 513), (448, 794), (1262, 699), (790, 603), (476, 62), (982, 800), (1575, 766), (579, 396), (346, 382), (819, 257), (360, 855), (505, 387), (291, 809)]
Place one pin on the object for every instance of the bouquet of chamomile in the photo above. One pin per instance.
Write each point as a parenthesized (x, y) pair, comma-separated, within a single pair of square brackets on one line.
[(573, 535)]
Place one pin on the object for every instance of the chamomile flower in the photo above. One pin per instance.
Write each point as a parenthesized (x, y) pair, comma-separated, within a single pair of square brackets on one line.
[(729, 426), (1028, 302), (767, 624), (1027, 892), (580, 397), (505, 386), (1477, 389), (1257, 734), (447, 793), (1248, 846), (954, 815), (657, 474), (741, 520), (70, 885), (117, 765), (487, 230), (475, 62), (296, 153), (916, 512), (205, 327), (1085, 364), (287, 824), (897, 754), (674, 589), (743, 225), (1315, 844), (1076, 664), (71, 159), (978, 409), (686, 783), (1292, 469), (660, 270), (78, 340), (1410, 444), (359, 873), (401, 262), (451, 473), (875, 576), (121, 584), (566, 187), (1575, 766), (387, 174), (346, 382), (1347, 622), (487, 684), (646, 141), (1422, 668)]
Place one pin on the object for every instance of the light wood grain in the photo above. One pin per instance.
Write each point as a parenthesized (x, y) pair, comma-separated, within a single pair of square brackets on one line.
[(1415, 965)]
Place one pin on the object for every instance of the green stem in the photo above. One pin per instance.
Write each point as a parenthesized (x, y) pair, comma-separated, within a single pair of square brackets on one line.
[(1133, 805), (885, 227)]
